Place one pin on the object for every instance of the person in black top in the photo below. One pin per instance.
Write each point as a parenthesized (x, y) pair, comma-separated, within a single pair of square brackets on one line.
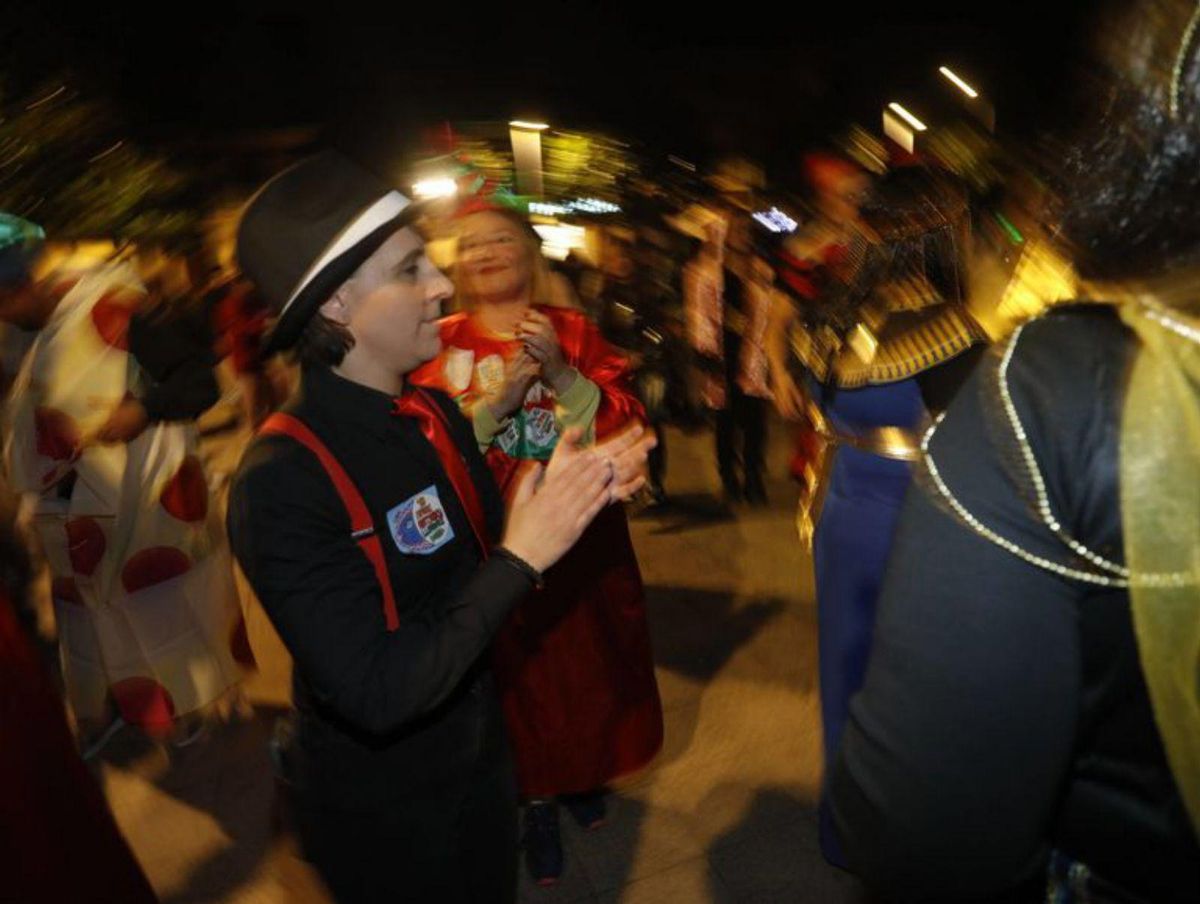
[(727, 304), (1029, 728), (400, 768)]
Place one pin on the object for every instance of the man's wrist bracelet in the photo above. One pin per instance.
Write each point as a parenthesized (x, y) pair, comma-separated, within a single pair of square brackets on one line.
[(535, 576)]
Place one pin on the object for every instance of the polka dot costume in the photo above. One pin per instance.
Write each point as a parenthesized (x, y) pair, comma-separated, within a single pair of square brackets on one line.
[(141, 581)]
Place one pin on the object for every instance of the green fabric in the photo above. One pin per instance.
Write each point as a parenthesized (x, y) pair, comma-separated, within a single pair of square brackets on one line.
[(577, 407), (486, 425)]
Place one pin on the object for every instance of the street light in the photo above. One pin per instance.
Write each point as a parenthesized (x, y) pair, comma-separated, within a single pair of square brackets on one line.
[(901, 126), (978, 106), (526, 137), (958, 82), (907, 117)]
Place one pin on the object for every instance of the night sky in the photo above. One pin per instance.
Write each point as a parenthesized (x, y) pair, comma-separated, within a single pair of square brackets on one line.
[(766, 83)]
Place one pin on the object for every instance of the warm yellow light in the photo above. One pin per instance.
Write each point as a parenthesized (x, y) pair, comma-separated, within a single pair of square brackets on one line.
[(962, 86), (440, 187), (906, 116), (534, 126)]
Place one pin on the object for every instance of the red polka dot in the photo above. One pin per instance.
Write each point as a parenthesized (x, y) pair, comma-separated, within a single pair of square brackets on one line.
[(110, 316), (64, 589), (145, 703), (85, 544), (186, 494), (56, 434), (153, 566)]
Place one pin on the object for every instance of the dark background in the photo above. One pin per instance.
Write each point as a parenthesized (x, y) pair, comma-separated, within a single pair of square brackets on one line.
[(763, 80)]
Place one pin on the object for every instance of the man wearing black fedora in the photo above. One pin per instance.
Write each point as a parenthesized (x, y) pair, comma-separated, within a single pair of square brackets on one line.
[(365, 519)]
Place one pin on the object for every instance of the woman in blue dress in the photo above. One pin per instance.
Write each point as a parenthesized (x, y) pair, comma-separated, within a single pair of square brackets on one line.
[(875, 342)]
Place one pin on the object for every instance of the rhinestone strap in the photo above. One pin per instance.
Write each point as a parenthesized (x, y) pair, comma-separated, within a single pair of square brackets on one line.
[(1160, 315), (1181, 58), (1004, 543), (1035, 474), (1118, 575)]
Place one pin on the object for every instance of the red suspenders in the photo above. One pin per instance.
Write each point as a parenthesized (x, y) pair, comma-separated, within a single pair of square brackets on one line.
[(362, 528)]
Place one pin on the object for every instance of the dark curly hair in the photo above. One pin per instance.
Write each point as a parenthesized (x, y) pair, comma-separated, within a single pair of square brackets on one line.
[(1133, 172)]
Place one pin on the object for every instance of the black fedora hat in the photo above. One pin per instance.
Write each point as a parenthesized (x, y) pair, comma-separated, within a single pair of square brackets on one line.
[(308, 229)]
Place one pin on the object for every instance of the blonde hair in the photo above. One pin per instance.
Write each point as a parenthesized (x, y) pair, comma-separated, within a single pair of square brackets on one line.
[(541, 291)]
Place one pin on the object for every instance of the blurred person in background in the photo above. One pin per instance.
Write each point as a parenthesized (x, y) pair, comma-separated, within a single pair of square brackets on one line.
[(100, 446), (239, 323), (633, 309), (727, 303), (573, 662), (1029, 729), (877, 336)]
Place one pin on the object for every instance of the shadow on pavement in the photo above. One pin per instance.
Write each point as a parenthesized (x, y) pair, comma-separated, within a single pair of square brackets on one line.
[(687, 511), (772, 854), (695, 632), (226, 774)]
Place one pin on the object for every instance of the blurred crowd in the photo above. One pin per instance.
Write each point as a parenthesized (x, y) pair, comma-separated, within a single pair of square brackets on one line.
[(1008, 650)]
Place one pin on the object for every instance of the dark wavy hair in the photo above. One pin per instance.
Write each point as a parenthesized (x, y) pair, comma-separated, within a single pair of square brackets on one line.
[(1133, 171)]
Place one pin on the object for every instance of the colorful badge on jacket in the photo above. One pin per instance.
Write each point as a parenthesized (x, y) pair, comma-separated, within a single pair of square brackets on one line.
[(419, 525)]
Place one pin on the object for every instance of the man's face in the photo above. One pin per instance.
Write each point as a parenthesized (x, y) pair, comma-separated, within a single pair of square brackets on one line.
[(392, 304)]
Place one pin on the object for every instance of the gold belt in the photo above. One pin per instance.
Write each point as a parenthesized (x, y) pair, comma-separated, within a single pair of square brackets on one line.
[(887, 442)]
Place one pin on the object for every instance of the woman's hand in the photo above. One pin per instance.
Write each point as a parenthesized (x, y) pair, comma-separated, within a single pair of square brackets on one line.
[(519, 375), (552, 505), (540, 341)]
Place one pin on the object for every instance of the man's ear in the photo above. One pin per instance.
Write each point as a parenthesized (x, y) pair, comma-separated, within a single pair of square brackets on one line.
[(337, 308)]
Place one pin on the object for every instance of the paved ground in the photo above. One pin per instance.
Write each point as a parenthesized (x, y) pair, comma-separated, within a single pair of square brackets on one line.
[(724, 815)]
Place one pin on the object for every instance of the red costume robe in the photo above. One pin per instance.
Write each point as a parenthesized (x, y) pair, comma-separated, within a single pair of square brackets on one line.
[(573, 662)]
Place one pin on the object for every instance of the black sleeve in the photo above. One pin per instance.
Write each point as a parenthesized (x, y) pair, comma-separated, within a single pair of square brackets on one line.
[(173, 344), (954, 756), (291, 536)]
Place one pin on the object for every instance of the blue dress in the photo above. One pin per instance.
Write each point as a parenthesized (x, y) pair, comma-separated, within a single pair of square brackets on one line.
[(850, 548)]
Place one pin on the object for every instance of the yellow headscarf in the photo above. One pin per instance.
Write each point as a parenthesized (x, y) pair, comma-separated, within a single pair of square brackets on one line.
[(1160, 509)]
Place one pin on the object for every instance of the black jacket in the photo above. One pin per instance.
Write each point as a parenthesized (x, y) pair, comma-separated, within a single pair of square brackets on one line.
[(173, 343), (381, 714), (1004, 712)]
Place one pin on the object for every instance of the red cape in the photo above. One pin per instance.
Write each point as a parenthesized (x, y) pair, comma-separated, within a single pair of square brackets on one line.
[(573, 662)]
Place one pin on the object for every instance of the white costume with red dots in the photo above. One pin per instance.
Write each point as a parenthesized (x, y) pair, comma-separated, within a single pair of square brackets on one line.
[(141, 580)]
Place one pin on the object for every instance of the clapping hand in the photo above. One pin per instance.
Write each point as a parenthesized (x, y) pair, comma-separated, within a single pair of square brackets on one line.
[(519, 375), (626, 451), (553, 504), (540, 341)]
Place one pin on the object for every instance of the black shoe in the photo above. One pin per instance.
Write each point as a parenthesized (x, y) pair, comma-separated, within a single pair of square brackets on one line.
[(543, 846), (588, 809)]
